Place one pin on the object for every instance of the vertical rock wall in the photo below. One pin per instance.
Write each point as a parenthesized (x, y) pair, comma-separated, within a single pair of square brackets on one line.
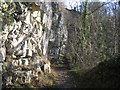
[(1, 55), (58, 35), (32, 36)]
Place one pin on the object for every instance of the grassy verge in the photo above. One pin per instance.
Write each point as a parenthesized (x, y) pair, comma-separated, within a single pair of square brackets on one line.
[(43, 81), (105, 75)]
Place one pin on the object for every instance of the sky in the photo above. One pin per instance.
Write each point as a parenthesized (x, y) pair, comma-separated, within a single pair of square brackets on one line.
[(70, 2), (73, 2)]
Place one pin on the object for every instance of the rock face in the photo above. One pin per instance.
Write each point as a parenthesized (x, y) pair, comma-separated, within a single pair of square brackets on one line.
[(58, 36), (1, 50), (26, 43)]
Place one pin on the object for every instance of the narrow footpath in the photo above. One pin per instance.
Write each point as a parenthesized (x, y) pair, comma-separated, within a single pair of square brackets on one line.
[(64, 80)]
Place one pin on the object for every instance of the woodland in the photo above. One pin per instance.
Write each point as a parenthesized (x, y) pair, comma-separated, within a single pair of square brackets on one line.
[(47, 45)]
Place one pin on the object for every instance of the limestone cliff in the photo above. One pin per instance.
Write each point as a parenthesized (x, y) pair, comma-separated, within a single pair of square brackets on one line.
[(29, 34)]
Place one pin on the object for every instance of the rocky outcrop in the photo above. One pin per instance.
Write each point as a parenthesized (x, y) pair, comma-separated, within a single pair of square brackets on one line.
[(32, 36)]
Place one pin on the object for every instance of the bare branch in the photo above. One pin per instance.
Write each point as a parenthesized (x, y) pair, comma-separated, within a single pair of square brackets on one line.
[(98, 8)]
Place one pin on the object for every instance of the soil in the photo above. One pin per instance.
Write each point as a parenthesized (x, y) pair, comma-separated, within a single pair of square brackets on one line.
[(64, 80)]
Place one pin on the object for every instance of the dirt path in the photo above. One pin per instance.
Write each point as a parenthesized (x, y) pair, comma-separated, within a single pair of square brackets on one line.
[(64, 80)]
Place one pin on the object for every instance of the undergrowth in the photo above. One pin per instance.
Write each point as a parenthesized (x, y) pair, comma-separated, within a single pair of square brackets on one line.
[(105, 75)]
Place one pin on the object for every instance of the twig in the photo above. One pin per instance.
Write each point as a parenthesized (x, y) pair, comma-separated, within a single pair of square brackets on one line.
[(97, 8)]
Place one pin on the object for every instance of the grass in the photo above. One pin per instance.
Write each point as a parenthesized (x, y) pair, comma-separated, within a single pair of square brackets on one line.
[(105, 75), (43, 81)]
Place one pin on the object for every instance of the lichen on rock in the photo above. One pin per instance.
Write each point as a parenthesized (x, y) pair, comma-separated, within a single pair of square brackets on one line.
[(26, 41)]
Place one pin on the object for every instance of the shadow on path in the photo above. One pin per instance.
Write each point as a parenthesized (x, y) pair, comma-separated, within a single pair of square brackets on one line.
[(64, 80)]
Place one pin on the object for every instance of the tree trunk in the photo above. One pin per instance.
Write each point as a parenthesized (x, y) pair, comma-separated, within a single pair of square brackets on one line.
[(118, 28)]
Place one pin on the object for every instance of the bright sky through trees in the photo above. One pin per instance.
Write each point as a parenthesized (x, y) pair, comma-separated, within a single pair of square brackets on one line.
[(69, 3)]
